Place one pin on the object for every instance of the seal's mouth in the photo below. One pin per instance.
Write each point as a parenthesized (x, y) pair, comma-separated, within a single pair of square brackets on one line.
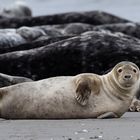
[(128, 85)]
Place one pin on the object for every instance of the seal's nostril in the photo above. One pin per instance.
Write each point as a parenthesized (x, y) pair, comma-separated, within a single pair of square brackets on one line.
[(127, 76)]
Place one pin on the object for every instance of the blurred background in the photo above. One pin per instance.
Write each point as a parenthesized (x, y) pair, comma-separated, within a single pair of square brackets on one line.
[(129, 9)]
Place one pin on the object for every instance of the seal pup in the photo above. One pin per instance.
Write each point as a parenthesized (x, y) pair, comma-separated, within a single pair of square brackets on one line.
[(85, 95)]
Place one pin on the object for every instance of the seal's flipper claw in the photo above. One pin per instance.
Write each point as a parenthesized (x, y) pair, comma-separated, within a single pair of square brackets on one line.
[(132, 108), (135, 105), (138, 108)]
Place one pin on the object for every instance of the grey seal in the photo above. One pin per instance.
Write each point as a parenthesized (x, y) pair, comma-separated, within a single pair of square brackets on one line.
[(85, 95)]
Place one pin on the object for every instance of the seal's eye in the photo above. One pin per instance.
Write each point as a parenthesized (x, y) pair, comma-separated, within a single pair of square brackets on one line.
[(119, 70), (134, 70)]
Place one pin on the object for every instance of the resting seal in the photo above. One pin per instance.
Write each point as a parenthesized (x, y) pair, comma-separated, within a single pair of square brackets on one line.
[(81, 96), (8, 80), (17, 10)]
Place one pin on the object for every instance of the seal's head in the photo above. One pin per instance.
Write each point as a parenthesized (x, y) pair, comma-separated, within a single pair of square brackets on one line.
[(126, 74)]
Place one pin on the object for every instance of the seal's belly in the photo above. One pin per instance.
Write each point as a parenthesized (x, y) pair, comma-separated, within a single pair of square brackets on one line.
[(51, 99), (104, 103), (46, 99)]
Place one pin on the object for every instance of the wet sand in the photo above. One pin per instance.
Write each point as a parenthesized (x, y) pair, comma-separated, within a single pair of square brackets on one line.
[(125, 128)]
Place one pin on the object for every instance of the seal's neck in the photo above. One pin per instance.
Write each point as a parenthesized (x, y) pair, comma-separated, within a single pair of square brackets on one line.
[(115, 89)]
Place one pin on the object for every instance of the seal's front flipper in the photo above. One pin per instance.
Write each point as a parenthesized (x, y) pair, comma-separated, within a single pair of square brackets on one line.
[(83, 92), (135, 105), (108, 115), (85, 84)]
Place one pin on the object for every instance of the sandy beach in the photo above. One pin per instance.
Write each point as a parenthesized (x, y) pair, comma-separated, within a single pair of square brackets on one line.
[(125, 128)]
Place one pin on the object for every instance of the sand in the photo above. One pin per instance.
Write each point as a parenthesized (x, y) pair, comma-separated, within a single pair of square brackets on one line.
[(125, 128)]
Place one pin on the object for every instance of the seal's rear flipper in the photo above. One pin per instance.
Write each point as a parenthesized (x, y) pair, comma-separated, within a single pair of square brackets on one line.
[(108, 115)]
